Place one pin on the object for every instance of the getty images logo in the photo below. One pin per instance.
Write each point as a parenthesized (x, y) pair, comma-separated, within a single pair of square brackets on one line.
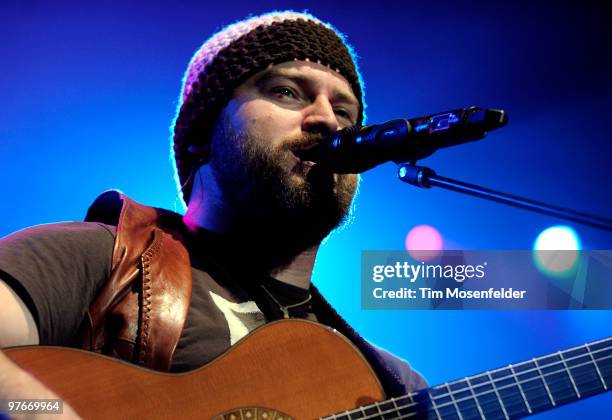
[(412, 272)]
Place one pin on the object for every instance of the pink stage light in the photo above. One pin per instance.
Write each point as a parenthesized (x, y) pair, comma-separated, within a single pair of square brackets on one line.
[(424, 243)]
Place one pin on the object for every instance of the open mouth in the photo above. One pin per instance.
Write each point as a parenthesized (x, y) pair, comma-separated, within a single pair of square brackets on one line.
[(303, 158), (302, 167), (307, 152)]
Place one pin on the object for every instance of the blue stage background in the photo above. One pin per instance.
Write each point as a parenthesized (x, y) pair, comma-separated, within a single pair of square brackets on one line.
[(88, 93)]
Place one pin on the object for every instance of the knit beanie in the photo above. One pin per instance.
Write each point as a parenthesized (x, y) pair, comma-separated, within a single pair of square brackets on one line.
[(234, 54)]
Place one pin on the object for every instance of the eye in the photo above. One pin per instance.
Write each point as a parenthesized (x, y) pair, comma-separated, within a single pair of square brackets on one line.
[(344, 114), (284, 91)]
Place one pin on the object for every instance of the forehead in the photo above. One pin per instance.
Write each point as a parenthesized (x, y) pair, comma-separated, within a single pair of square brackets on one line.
[(313, 73)]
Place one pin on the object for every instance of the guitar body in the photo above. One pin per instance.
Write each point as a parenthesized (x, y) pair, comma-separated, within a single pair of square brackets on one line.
[(285, 369)]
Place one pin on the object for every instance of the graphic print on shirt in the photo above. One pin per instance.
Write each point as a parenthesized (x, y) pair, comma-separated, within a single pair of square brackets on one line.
[(241, 318)]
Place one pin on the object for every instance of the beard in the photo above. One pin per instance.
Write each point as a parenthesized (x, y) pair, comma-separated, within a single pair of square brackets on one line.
[(278, 208)]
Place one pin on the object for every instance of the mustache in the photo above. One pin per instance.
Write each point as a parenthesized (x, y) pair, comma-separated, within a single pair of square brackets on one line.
[(302, 143)]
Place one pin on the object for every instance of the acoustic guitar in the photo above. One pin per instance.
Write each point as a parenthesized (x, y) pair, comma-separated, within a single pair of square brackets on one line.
[(303, 370)]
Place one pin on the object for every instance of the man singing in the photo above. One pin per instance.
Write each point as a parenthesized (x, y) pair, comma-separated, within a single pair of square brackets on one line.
[(172, 292)]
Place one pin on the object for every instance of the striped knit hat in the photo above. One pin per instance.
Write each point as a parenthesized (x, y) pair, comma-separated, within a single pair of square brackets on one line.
[(234, 54)]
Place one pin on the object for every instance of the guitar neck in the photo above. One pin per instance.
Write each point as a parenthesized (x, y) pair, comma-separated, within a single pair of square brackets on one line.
[(511, 392)]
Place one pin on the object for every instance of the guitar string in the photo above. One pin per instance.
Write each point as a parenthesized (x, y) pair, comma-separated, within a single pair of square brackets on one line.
[(501, 402), (396, 409), (443, 405), (488, 382), (537, 368), (521, 382), (531, 370)]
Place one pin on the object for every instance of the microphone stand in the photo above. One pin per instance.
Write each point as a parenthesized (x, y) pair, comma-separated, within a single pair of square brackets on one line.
[(424, 177)]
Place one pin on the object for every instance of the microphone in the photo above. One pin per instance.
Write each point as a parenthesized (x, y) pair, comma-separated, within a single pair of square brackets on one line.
[(359, 148)]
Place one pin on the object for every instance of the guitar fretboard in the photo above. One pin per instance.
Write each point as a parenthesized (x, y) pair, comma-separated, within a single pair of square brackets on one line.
[(511, 392)]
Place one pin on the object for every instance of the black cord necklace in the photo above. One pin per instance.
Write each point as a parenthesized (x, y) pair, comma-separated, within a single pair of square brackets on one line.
[(285, 309)]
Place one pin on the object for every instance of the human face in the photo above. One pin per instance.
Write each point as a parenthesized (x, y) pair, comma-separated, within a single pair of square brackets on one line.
[(273, 115), (289, 104)]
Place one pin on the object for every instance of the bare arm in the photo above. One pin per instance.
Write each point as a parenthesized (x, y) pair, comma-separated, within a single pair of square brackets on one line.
[(17, 328)]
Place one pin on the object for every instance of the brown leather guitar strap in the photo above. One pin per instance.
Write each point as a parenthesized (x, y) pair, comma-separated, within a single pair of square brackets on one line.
[(140, 313)]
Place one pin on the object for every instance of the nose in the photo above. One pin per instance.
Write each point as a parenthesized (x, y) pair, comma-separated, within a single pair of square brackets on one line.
[(320, 117)]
